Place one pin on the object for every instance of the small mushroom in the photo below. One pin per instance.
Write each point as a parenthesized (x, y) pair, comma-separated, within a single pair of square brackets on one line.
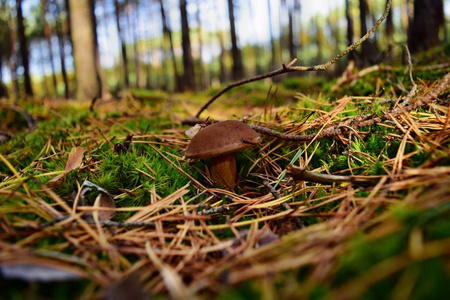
[(219, 142)]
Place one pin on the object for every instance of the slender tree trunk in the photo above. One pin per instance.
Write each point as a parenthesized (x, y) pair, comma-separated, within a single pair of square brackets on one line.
[(3, 90), (350, 32), (238, 68), (188, 62), (88, 85), (296, 13), (319, 40), (62, 51), (424, 30), (291, 37), (48, 38), (389, 34), (42, 65), (98, 67), (272, 39), (282, 16), (167, 32), (256, 48), (369, 49), (131, 28), (203, 79), (24, 52), (122, 45), (12, 55), (68, 32), (363, 11), (333, 27), (137, 59), (222, 55), (148, 70)]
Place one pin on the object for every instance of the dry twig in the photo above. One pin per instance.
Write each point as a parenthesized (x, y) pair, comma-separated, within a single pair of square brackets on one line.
[(291, 68)]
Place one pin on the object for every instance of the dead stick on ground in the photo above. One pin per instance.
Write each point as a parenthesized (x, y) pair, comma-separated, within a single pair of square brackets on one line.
[(284, 206), (305, 175), (360, 121), (290, 68)]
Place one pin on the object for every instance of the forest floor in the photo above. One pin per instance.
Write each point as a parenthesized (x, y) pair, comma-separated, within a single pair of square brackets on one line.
[(100, 202)]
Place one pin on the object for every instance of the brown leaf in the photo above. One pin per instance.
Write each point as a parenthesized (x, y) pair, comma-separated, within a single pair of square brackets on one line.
[(74, 161), (105, 200), (75, 158)]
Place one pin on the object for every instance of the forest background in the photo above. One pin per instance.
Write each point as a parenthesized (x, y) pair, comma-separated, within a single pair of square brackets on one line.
[(194, 45)]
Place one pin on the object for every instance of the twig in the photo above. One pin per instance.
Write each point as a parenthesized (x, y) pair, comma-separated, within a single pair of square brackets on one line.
[(413, 90), (284, 205), (300, 174), (31, 121), (357, 122), (290, 68)]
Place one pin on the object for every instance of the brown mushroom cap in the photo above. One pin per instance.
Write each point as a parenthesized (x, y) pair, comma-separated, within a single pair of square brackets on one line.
[(221, 138)]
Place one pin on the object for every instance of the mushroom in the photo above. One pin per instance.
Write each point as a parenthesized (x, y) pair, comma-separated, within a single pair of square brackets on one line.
[(219, 142)]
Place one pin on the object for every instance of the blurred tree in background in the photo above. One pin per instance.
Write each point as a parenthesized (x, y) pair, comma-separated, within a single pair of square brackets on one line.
[(82, 49)]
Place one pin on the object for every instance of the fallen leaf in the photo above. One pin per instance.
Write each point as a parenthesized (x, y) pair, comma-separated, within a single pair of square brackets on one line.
[(74, 161), (75, 158), (103, 199)]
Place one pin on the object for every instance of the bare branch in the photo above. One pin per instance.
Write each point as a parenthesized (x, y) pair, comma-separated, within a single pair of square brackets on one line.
[(290, 68), (302, 174), (284, 205), (357, 122)]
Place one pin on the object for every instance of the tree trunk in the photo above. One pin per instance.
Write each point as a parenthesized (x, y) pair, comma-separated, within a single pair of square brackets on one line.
[(62, 51), (201, 65), (188, 62), (272, 40), (389, 34), (4, 47), (256, 48), (137, 59), (369, 49), (363, 11), (68, 32), (87, 80), (282, 16), (223, 72), (3, 89), (24, 53), (48, 38), (292, 54), (167, 32), (320, 40), (238, 69), (424, 29), (131, 26), (350, 32), (12, 55), (42, 65), (122, 45)]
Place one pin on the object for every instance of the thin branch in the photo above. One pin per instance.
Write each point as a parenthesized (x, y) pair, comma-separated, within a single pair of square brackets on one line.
[(357, 122), (290, 68), (284, 69), (300, 174), (413, 90), (284, 205)]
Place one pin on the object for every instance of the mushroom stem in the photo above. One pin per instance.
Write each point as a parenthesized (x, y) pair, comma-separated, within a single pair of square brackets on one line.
[(223, 170)]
